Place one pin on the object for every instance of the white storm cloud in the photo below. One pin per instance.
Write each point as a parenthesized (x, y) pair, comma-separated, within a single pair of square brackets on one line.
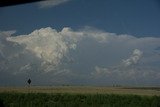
[(111, 55), (134, 58), (99, 72), (48, 44), (125, 67), (128, 70), (45, 43), (51, 3), (7, 33)]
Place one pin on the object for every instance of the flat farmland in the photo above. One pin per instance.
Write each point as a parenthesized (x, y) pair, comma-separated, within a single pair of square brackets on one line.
[(84, 90), (79, 96)]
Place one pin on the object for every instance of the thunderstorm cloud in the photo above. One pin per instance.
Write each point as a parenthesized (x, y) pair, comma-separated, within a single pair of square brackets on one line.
[(76, 56)]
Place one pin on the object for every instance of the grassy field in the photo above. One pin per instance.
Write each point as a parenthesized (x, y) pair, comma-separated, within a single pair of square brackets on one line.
[(79, 96), (85, 90)]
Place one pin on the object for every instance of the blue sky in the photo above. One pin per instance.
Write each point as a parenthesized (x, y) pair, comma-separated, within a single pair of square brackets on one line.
[(81, 42), (136, 17)]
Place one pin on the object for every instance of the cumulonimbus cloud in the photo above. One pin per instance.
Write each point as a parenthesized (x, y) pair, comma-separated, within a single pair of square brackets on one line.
[(48, 45), (124, 66), (126, 71), (45, 49)]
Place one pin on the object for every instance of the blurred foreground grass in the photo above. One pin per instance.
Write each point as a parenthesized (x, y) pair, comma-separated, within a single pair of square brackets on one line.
[(69, 96), (76, 100)]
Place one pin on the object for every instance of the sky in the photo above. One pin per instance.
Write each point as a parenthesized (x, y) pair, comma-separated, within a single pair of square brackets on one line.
[(81, 42)]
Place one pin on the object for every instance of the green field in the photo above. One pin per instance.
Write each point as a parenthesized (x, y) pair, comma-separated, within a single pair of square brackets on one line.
[(79, 97)]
